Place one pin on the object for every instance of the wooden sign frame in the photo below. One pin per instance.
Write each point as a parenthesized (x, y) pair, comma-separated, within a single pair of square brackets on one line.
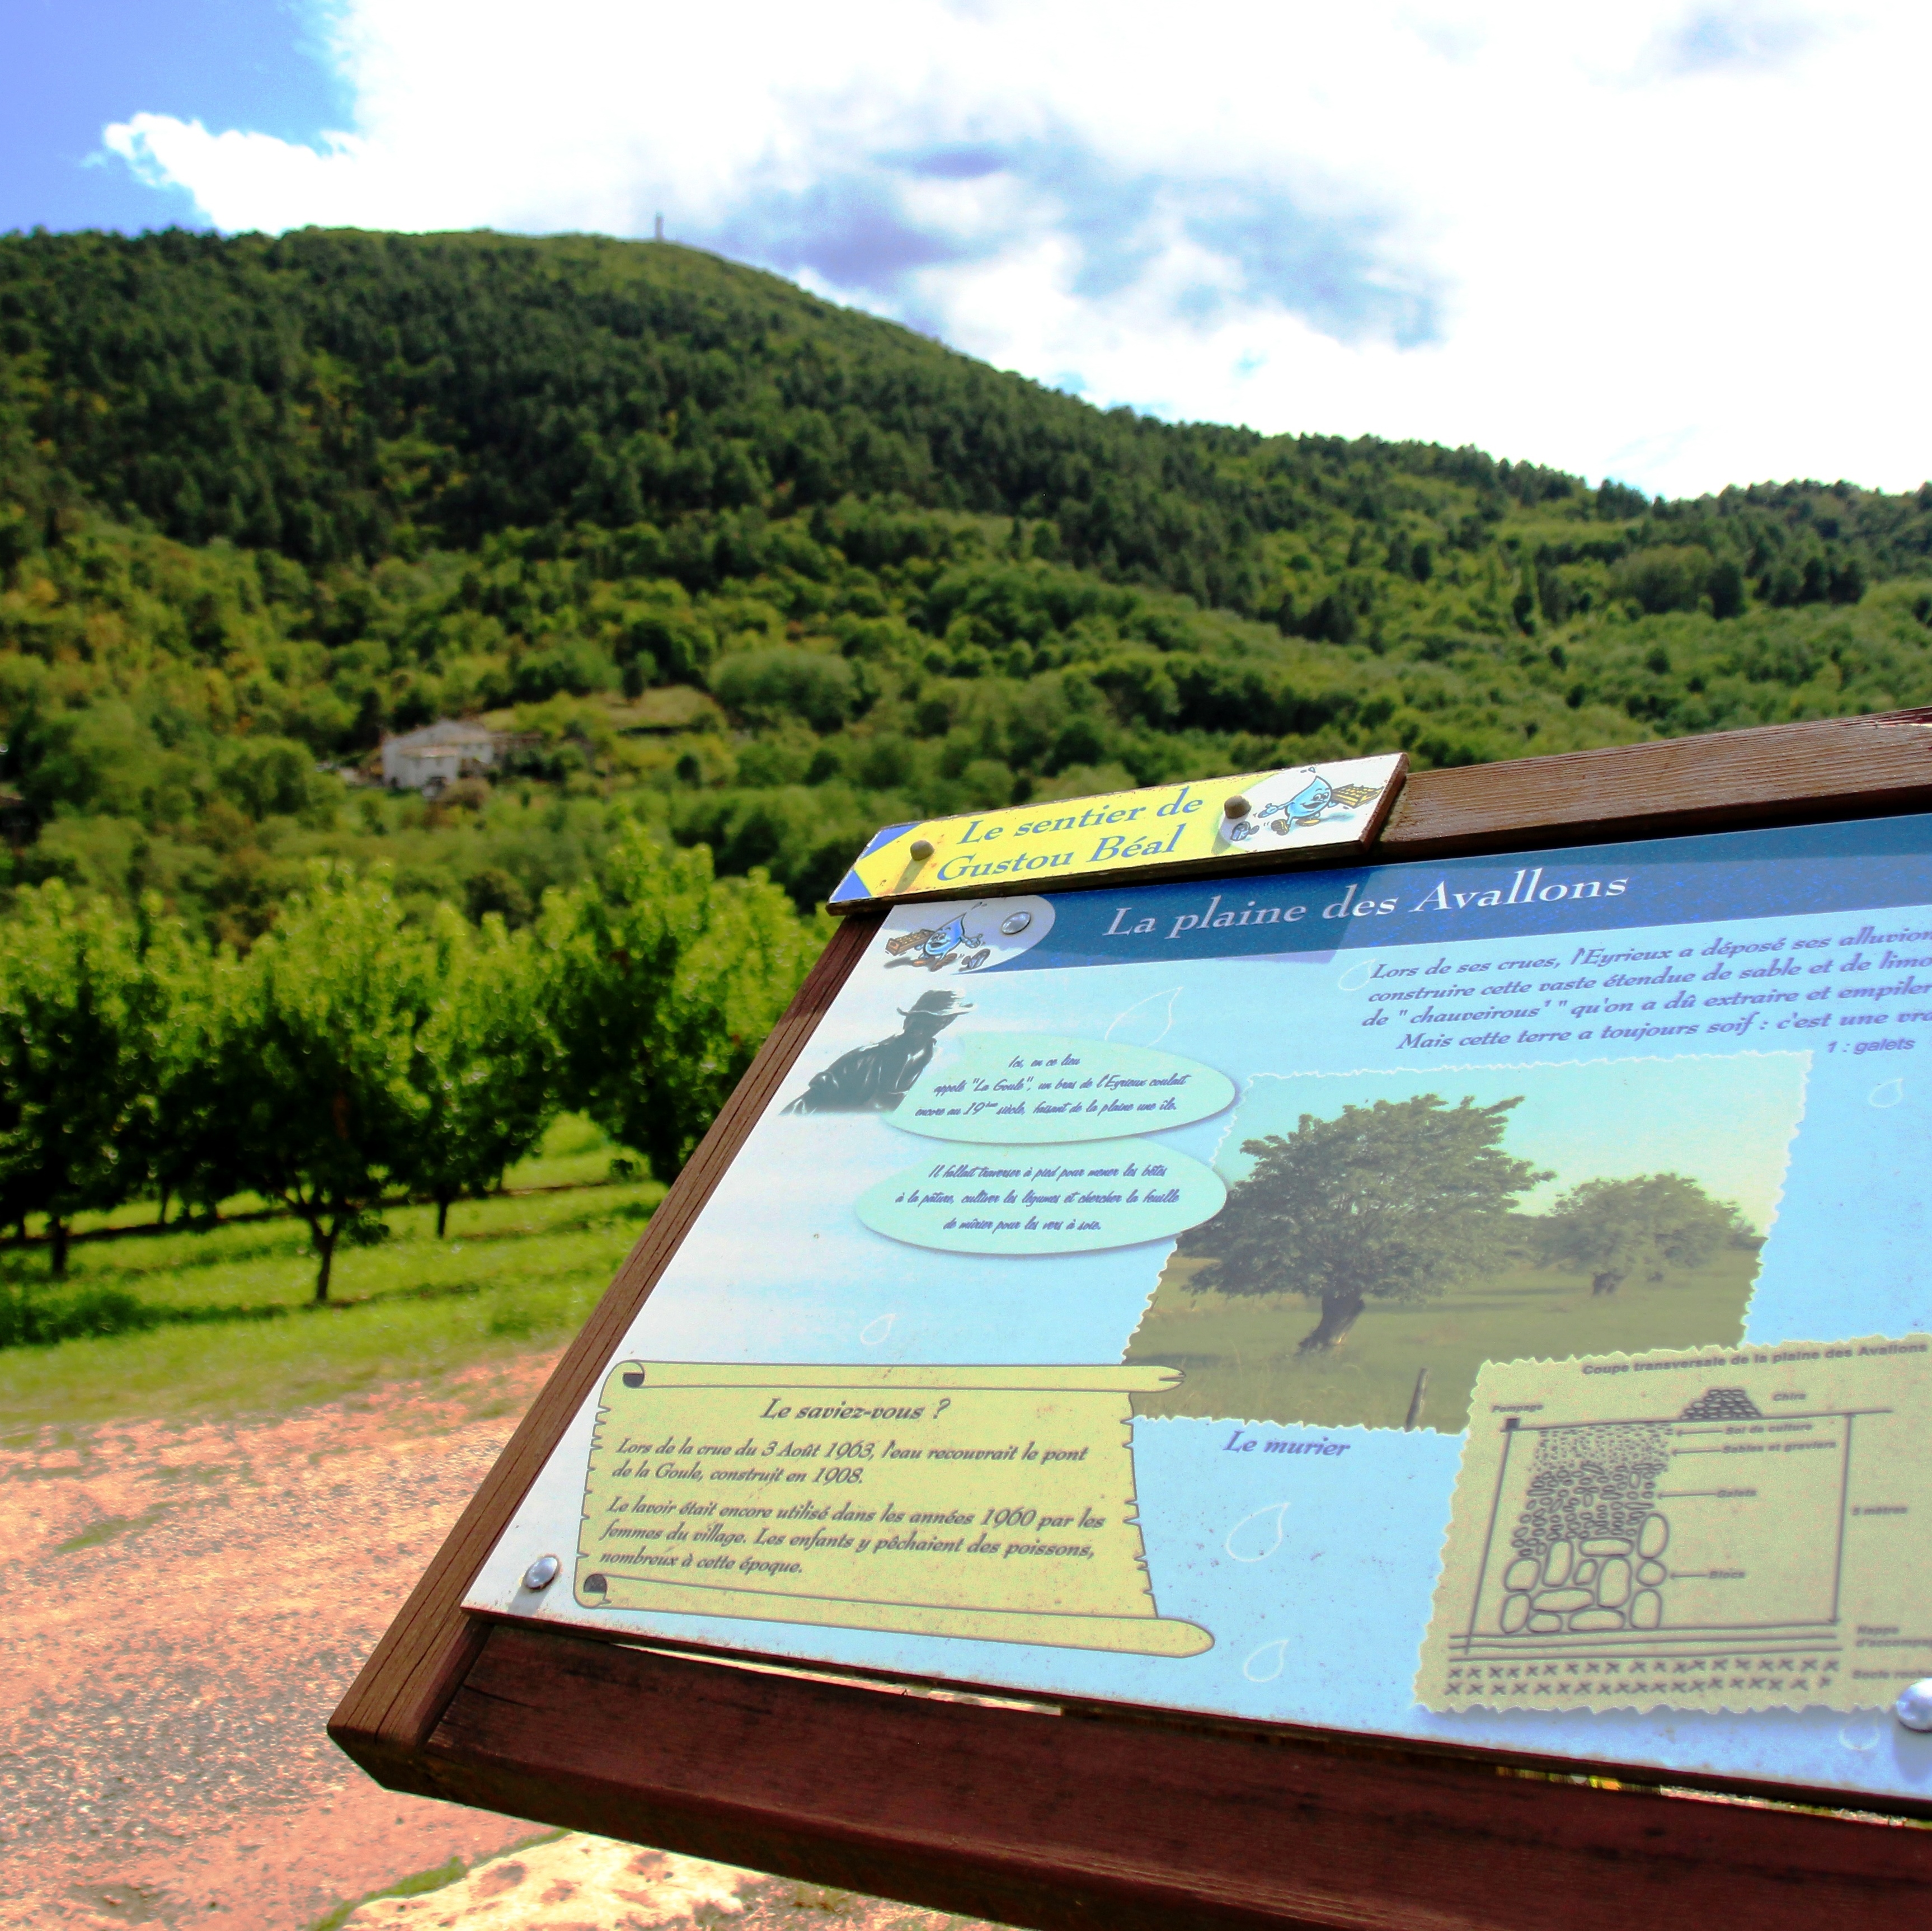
[(1050, 1811)]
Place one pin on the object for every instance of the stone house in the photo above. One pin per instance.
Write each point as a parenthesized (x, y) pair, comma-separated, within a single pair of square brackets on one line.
[(428, 759)]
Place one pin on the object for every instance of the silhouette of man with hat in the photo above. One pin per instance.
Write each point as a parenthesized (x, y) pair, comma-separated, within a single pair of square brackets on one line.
[(875, 1078)]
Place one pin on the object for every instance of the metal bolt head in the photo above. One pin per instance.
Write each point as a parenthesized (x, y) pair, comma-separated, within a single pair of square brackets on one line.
[(1015, 922), (922, 850), (1237, 807), (1914, 1706), (542, 1573)]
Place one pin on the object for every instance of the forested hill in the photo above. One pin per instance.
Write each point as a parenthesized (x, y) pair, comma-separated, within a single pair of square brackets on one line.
[(765, 572)]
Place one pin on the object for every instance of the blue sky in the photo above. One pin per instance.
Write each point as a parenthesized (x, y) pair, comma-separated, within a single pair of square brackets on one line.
[(1678, 241), (75, 66)]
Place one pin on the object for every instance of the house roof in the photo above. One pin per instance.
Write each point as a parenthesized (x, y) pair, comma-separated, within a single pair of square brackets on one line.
[(445, 730)]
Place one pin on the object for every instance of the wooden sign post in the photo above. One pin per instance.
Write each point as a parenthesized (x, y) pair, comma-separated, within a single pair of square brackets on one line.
[(1383, 1384)]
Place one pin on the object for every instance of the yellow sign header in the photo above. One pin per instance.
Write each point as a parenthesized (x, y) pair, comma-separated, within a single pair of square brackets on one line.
[(1288, 814)]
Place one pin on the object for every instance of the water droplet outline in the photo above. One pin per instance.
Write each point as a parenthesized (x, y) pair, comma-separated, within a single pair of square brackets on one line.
[(1277, 1510)]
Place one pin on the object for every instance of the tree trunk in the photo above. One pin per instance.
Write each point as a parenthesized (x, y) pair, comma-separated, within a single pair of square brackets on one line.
[(324, 1246), (1338, 1316), (1607, 1282), (1413, 1419), (441, 1214), (57, 1234)]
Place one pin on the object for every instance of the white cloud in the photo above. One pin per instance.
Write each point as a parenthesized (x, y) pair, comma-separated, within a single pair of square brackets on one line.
[(1681, 244)]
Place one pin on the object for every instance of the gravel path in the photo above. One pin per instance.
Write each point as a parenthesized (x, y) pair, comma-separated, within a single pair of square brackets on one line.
[(181, 1605)]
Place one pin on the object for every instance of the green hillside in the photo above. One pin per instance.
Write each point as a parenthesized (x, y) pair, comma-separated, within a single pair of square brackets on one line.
[(765, 573)]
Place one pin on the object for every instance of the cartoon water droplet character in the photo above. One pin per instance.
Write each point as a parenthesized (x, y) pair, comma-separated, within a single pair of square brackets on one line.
[(1314, 798), (933, 947), (875, 1078), (1314, 802)]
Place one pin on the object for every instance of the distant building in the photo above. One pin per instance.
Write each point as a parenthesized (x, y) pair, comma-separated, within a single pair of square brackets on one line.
[(428, 759)]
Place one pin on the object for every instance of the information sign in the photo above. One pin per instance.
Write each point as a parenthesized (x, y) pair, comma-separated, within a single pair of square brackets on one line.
[(1481, 1301), (1339, 1333)]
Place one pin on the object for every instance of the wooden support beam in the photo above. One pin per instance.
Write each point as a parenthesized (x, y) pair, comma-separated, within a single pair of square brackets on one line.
[(1776, 775)]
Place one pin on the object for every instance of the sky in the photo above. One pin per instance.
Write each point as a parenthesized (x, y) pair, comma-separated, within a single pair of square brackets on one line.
[(1681, 242)]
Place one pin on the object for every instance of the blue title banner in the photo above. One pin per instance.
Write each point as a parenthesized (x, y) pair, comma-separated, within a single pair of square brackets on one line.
[(1870, 863)]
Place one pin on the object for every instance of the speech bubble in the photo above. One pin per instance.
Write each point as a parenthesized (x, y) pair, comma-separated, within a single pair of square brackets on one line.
[(1028, 1089), (1009, 1200)]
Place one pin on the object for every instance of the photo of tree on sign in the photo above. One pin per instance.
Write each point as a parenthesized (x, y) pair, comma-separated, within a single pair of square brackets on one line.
[(1396, 1200), (1386, 1234), (1613, 1229)]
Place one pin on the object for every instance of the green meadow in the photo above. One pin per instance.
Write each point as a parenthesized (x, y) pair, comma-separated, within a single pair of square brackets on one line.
[(518, 1270), (1239, 1355)]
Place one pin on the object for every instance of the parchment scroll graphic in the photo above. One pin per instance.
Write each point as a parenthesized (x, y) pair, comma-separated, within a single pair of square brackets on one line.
[(990, 1503), (1709, 1530)]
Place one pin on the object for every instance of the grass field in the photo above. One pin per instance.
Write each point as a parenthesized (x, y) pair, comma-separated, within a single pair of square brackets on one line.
[(1239, 1352), (515, 1272)]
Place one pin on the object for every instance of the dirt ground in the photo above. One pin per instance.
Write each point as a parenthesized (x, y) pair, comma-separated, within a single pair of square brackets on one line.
[(181, 1604)]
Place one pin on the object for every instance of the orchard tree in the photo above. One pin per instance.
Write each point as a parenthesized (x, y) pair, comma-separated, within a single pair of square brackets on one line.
[(1393, 1202), (1612, 1229), (663, 981), (318, 1041), (82, 1010), (195, 1156), (485, 1062)]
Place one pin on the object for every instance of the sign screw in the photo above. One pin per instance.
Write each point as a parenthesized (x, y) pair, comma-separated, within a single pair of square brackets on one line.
[(1237, 807), (1914, 1706), (922, 850), (542, 1573)]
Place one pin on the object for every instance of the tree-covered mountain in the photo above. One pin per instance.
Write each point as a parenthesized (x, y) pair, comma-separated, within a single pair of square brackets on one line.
[(765, 573)]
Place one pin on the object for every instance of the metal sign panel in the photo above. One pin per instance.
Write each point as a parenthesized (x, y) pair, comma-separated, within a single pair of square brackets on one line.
[(1481, 1303)]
